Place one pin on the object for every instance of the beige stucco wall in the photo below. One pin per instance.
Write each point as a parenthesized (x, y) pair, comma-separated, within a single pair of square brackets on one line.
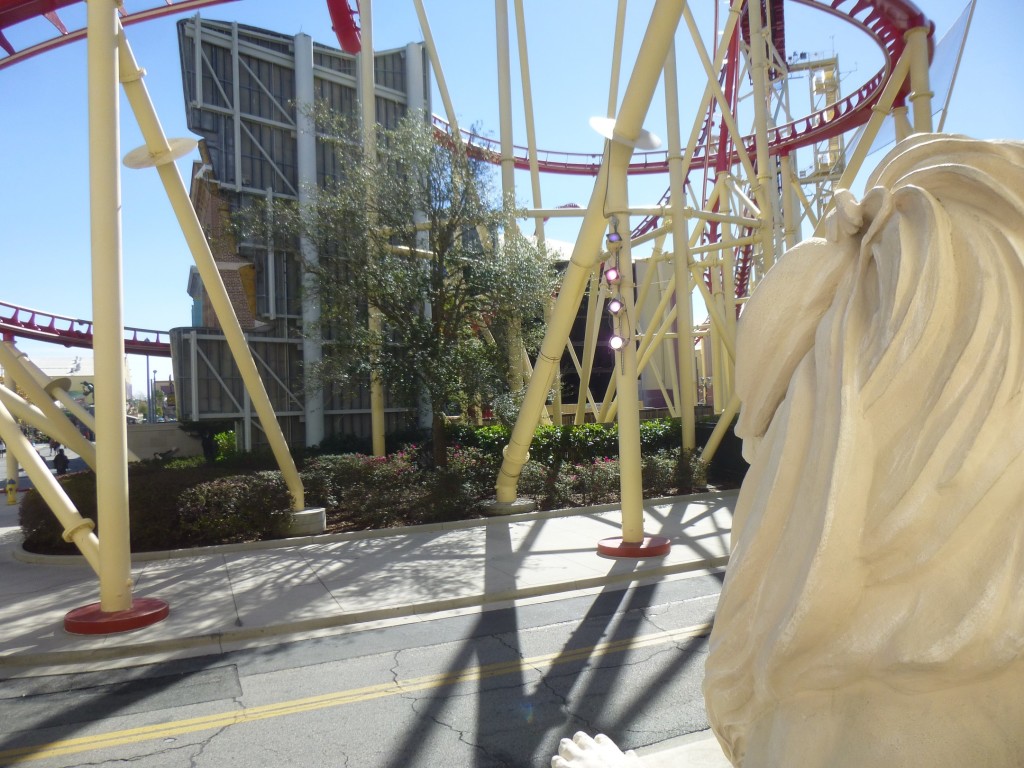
[(144, 440)]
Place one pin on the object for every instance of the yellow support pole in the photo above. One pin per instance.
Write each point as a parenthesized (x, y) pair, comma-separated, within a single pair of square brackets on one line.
[(713, 88), (108, 319), (718, 434), (728, 297), (60, 394), (681, 258), (11, 486), (765, 171), (626, 322), (589, 398), (921, 93), (595, 302), (878, 114), (531, 145), (77, 529), (902, 122), (648, 342), (508, 184), (608, 407), (587, 251), (435, 63), (791, 232), (44, 414)]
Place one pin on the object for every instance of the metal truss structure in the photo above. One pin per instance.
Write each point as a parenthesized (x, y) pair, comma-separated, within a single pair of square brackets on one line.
[(735, 203)]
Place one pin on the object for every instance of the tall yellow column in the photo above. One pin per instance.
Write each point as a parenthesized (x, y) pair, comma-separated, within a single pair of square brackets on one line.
[(921, 93), (625, 323), (902, 122), (680, 261), (790, 204), (108, 319), (116, 611), (586, 253), (765, 173)]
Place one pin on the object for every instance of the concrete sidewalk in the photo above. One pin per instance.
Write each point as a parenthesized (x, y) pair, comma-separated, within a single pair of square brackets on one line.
[(224, 598)]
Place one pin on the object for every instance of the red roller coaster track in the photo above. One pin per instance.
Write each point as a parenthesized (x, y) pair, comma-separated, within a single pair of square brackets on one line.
[(12, 12), (46, 326), (885, 21)]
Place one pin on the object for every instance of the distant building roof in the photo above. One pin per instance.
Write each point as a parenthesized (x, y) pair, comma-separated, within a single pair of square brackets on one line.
[(75, 365)]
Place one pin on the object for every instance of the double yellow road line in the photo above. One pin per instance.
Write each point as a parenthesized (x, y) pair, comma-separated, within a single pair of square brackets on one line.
[(340, 698)]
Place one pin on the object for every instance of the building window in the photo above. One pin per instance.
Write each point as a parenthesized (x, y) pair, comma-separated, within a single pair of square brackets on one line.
[(266, 90), (389, 71), (278, 284)]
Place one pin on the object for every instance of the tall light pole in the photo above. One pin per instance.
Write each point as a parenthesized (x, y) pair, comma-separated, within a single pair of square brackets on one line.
[(149, 396)]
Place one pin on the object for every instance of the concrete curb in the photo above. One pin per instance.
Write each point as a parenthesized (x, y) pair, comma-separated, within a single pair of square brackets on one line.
[(184, 638), (33, 558), (215, 641)]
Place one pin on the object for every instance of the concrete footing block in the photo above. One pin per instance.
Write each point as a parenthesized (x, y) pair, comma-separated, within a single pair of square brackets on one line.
[(306, 522), (498, 508)]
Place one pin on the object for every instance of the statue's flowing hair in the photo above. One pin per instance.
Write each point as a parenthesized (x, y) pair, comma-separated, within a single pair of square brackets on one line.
[(879, 535)]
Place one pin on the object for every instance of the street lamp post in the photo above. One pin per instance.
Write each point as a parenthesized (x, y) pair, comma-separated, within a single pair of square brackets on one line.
[(149, 396)]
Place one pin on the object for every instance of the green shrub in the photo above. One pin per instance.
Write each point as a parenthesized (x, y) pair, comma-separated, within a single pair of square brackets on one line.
[(449, 496), (391, 491), (40, 528), (475, 469), (455, 492), (234, 509), (691, 472), (491, 439), (597, 482), (185, 462), (327, 478), (154, 489), (226, 445), (660, 470), (573, 444), (660, 434), (551, 487), (185, 502)]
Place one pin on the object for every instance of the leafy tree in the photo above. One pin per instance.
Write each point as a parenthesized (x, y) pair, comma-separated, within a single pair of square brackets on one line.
[(420, 233)]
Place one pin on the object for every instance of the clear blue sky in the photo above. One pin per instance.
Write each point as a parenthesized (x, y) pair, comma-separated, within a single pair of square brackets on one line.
[(44, 216)]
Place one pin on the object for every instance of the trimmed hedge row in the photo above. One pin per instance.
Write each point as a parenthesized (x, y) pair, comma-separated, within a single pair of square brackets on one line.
[(571, 444), (170, 508), (183, 503)]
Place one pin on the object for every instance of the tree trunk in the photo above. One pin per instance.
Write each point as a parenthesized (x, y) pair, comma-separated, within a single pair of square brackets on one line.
[(440, 439)]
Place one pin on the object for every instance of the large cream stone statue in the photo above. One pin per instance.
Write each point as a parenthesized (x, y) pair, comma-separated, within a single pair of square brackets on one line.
[(873, 607), (872, 612)]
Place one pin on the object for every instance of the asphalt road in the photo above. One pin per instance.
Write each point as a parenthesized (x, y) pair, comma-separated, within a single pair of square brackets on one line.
[(495, 689)]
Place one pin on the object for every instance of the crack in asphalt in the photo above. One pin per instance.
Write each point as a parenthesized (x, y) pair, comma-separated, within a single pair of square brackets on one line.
[(462, 736), (203, 744)]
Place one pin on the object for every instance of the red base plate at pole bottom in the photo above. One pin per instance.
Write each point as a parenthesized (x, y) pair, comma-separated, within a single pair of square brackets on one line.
[(650, 546), (90, 620)]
